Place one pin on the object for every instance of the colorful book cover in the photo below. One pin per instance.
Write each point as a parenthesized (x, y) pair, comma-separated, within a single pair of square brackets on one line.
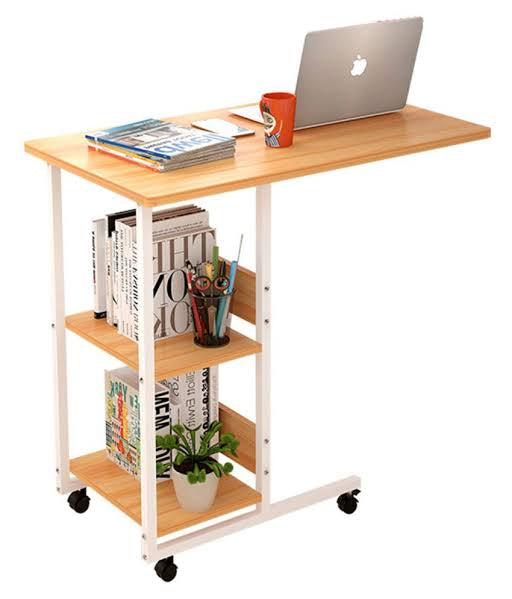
[(122, 420)]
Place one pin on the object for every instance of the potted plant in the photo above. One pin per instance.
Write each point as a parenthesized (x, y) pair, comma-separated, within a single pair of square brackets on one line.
[(195, 471)]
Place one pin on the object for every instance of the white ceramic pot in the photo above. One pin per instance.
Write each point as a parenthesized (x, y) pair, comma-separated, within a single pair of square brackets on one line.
[(198, 497)]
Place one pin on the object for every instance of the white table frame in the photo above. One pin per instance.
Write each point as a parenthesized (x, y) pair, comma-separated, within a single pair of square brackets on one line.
[(152, 550)]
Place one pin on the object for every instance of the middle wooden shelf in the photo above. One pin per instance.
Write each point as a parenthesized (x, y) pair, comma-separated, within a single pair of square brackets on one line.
[(173, 355)]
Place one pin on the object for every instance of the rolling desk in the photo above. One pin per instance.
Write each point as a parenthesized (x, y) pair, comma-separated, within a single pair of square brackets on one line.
[(254, 165)]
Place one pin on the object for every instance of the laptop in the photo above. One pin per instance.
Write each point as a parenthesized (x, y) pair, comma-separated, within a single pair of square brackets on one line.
[(353, 72)]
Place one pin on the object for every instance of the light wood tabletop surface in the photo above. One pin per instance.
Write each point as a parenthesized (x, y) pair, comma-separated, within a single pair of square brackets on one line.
[(314, 150)]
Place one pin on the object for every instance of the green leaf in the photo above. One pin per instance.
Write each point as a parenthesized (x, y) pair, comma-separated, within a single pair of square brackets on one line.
[(180, 457), (178, 429), (227, 467), (215, 467), (192, 478), (160, 441), (213, 429), (193, 438), (202, 476), (161, 468)]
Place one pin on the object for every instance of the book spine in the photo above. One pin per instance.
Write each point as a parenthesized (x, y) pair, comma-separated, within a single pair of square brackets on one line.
[(173, 385), (214, 393), (115, 276), (121, 280), (213, 374), (163, 427), (129, 271), (123, 445), (150, 160), (126, 280), (108, 416), (204, 393), (98, 268), (108, 276), (135, 292), (97, 141), (127, 157)]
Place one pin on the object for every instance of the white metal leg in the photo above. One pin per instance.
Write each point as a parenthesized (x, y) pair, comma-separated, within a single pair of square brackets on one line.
[(266, 510), (263, 324), (274, 510), (151, 550), (65, 483), (147, 381)]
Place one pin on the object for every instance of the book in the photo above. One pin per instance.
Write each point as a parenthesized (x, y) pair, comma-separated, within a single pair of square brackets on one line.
[(171, 221), (182, 230), (111, 271), (160, 145), (194, 398), (160, 167), (118, 288), (190, 399), (171, 300), (122, 420), (98, 268)]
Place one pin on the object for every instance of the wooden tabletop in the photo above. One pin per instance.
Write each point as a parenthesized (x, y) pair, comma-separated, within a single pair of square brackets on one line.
[(313, 151)]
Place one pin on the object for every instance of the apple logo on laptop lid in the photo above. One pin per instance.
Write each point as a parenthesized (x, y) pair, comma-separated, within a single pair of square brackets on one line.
[(359, 66)]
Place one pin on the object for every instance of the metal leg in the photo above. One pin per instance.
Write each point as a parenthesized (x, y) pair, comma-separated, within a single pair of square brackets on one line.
[(263, 251), (265, 510), (65, 484), (274, 510), (147, 381)]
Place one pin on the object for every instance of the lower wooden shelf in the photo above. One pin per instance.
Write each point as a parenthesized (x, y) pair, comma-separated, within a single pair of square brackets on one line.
[(97, 472)]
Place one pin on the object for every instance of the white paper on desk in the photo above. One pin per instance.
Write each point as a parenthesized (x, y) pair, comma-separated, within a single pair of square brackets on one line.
[(249, 112), (223, 127)]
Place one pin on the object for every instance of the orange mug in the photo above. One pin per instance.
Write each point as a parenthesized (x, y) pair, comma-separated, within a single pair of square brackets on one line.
[(278, 112)]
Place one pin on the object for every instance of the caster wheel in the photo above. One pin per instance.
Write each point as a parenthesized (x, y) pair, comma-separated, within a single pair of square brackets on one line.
[(79, 501), (348, 502), (166, 569)]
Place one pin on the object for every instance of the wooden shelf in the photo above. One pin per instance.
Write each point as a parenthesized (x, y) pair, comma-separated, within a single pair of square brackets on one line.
[(97, 472), (173, 356), (313, 151)]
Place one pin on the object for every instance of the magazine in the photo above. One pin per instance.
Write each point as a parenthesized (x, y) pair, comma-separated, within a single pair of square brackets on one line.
[(168, 141)]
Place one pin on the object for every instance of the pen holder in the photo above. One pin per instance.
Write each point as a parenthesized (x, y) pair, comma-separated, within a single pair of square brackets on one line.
[(210, 316)]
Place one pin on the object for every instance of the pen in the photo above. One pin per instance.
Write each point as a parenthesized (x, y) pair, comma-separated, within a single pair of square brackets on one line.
[(195, 313), (234, 265), (212, 311), (222, 302), (215, 259), (225, 317), (209, 270)]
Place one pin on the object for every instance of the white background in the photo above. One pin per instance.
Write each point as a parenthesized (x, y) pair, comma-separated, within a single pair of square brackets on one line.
[(391, 324)]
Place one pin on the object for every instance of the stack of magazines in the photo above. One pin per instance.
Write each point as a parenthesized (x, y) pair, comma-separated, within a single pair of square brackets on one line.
[(162, 146)]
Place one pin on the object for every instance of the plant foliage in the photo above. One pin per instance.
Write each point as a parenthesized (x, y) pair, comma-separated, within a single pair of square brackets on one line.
[(197, 453)]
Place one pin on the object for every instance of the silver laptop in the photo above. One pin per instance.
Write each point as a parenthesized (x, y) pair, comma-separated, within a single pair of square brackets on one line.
[(353, 72)]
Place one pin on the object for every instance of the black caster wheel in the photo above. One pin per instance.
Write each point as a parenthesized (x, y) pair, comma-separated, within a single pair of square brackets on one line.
[(79, 501), (166, 569), (348, 502)]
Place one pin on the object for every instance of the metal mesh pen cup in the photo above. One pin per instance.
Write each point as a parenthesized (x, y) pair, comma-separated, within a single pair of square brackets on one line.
[(210, 316)]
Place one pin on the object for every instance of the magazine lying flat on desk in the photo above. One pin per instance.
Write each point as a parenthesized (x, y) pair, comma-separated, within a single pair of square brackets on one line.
[(162, 146)]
